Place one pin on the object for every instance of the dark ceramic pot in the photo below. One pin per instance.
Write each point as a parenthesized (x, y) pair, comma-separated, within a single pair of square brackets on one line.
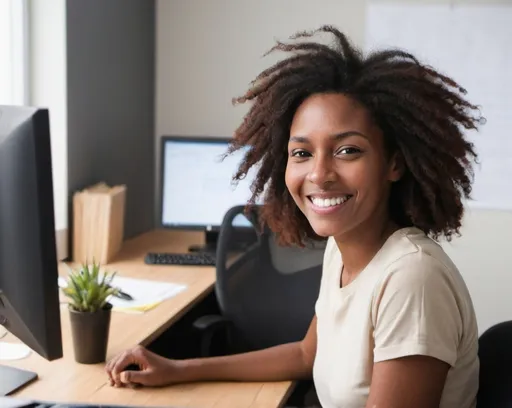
[(90, 334)]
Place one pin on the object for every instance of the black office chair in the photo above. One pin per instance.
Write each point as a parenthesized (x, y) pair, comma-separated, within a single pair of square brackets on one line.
[(495, 353), (267, 296)]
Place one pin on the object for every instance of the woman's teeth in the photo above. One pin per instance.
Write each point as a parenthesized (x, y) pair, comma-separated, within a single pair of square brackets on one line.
[(329, 202)]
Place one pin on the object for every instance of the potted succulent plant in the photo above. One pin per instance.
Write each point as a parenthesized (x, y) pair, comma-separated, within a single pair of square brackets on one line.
[(88, 291)]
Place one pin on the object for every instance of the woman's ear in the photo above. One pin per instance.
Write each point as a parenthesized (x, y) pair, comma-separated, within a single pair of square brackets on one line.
[(396, 167)]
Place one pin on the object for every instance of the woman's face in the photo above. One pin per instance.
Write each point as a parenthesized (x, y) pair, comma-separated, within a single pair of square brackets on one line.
[(338, 171)]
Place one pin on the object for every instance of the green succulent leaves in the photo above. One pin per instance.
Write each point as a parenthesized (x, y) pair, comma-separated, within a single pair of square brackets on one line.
[(88, 289)]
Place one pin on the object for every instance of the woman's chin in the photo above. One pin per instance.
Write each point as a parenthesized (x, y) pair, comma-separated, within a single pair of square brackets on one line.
[(325, 231)]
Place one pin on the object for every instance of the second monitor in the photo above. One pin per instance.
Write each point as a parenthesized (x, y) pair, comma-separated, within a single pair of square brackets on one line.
[(197, 188)]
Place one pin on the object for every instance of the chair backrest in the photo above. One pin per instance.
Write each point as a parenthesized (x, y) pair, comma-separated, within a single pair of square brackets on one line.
[(269, 292), (495, 354)]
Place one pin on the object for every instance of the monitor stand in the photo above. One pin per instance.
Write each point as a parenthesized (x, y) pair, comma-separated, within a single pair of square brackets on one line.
[(210, 243), (240, 241)]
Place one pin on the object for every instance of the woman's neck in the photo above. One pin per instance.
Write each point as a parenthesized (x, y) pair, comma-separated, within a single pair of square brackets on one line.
[(359, 247)]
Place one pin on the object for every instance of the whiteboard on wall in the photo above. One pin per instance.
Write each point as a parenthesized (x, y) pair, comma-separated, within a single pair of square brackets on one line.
[(473, 45)]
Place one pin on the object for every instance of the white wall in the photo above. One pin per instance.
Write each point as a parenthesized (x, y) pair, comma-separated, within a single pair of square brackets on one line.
[(48, 89), (208, 52), (483, 254)]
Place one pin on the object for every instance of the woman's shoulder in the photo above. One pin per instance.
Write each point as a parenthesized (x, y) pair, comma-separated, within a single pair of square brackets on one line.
[(419, 281), (408, 255), (411, 246), (412, 259)]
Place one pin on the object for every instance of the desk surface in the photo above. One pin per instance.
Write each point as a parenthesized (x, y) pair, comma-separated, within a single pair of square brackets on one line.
[(66, 380)]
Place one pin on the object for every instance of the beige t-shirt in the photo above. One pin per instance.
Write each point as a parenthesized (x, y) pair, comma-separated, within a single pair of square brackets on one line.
[(409, 300)]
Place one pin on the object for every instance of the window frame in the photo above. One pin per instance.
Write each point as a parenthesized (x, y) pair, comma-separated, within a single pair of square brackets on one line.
[(19, 68)]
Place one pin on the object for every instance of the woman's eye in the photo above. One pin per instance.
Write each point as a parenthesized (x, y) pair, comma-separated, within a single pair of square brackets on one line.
[(349, 150), (300, 153)]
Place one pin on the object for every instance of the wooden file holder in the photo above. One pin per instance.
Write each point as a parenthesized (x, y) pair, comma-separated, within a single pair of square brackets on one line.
[(98, 223)]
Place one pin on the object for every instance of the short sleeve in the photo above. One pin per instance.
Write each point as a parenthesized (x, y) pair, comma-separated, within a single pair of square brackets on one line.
[(416, 311)]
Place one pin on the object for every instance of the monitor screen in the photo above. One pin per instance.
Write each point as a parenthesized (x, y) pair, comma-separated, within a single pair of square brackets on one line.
[(197, 183)]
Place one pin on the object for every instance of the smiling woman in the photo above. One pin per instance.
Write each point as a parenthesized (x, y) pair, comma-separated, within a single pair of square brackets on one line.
[(369, 153)]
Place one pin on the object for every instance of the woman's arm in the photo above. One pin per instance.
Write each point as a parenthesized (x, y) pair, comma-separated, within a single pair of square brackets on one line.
[(414, 381), (285, 362), (291, 361)]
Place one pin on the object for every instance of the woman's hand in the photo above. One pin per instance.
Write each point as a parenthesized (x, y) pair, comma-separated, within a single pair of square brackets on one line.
[(151, 369)]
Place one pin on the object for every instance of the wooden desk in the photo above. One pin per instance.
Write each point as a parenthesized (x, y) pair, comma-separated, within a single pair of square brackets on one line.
[(66, 380)]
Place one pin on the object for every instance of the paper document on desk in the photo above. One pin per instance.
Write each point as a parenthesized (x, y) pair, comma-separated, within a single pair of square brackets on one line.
[(146, 294)]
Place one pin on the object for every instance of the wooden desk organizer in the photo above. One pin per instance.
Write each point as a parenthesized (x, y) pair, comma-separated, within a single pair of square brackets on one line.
[(98, 223)]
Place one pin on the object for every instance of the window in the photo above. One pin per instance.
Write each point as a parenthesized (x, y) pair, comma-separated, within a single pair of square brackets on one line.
[(13, 52)]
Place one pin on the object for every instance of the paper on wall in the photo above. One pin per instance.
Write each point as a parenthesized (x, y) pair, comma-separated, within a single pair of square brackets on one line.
[(470, 43)]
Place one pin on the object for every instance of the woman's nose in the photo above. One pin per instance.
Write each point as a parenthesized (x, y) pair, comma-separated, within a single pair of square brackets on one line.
[(322, 172)]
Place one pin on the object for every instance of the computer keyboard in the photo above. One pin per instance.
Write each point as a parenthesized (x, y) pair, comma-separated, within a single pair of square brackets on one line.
[(194, 258)]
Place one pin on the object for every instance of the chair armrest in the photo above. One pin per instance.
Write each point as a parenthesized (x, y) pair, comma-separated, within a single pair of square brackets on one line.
[(209, 325), (210, 322)]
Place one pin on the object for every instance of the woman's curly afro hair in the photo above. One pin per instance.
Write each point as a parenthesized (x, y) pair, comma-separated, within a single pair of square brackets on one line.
[(421, 112)]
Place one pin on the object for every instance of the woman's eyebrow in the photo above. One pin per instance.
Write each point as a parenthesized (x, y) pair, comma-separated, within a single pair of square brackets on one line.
[(336, 136)]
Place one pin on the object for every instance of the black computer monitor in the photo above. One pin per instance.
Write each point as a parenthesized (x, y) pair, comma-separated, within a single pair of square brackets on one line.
[(29, 294), (197, 188)]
